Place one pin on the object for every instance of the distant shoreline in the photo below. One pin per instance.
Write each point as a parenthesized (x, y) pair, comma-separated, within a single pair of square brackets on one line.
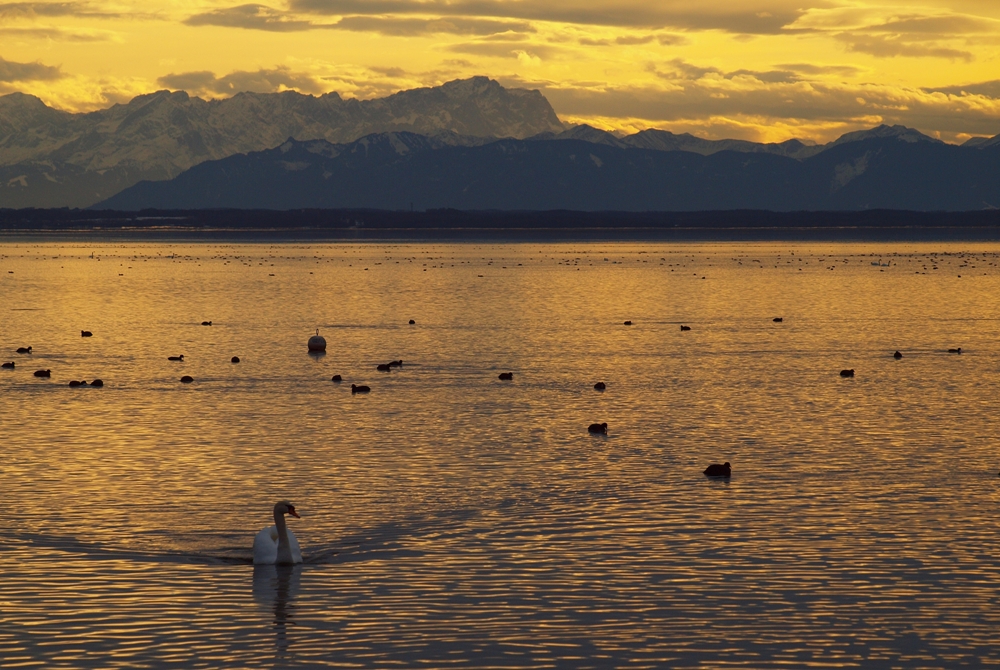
[(494, 226)]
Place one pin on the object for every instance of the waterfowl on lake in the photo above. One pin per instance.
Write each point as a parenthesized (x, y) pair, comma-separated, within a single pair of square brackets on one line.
[(506, 376), (9, 365), (601, 428), (599, 386), (43, 373), (847, 373), (777, 319), (336, 378), (234, 359), (75, 383), (86, 333), (277, 545), (897, 355), (176, 358), (384, 367), (97, 382), (685, 327), (359, 389), (24, 350), (187, 379), (955, 351), (396, 364), (716, 470), (206, 323), (628, 323), (412, 322)]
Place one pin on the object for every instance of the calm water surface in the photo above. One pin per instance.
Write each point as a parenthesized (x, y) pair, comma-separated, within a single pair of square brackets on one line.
[(453, 520)]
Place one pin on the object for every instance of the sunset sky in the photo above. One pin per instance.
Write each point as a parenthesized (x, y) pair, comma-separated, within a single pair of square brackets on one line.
[(754, 69)]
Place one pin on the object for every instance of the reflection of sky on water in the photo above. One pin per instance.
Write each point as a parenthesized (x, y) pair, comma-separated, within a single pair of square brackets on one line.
[(450, 518)]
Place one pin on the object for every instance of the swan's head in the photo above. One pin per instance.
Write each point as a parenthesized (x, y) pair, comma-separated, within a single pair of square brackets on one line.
[(286, 507)]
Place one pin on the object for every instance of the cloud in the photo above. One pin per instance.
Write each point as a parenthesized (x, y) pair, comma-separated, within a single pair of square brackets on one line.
[(768, 17), (519, 50), (261, 81), (56, 34), (811, 69), (251, 17), (889, 47), (34, 10), (988, 89), (11, 71), (407, 27)]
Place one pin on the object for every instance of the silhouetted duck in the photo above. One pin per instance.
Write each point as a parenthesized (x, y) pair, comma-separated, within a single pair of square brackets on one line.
[(628, 323), (897, 355), (601, 428), (97, 382), (396, 364), (234, 359), (685, 327), (75, 383), (506, 376), (8, 365), (955, 351), (359, 389), (187, 379), (336, 378), (777, 319), (384, 367), (716, 470), (847, 373), (206, 323), (86, 333), (43, 373), (24, 350), (176, 358), (599, 386), (412, 322)]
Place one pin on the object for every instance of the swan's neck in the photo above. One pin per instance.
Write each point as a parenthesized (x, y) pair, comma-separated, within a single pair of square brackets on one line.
[(284, 548)]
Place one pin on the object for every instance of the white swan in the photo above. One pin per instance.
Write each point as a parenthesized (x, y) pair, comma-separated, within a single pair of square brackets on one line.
[(277, 545)]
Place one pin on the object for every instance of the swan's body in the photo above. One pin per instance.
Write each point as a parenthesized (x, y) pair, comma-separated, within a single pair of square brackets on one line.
[(277, 545)]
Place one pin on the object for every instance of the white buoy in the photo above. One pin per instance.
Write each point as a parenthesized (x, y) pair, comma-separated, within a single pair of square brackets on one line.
[(317, 342)]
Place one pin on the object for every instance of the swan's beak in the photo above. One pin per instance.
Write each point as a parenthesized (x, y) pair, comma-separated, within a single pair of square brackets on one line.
[(294, 513)]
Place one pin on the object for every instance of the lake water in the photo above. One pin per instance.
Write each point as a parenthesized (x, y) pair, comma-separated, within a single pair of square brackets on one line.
[(450, 519)]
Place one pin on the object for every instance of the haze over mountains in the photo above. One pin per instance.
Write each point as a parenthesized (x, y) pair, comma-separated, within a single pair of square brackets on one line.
[(468, 144)]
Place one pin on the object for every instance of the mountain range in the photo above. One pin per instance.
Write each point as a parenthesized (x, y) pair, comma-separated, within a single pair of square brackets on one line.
[(469, 144), (887, 168)]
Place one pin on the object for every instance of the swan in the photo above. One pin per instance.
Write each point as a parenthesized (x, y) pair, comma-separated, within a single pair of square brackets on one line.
[(277, 545)]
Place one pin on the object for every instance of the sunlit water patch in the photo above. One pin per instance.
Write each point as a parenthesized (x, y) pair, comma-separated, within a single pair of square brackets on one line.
[(451, 519)]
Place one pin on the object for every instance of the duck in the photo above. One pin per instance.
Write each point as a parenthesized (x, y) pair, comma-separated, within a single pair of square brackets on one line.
[(86, 333), (396, 364), (187, 379), (685, 327), (716, 470), (599, 386), (897, 355), (176, 358), (847, 373), (628, 323), (601, 428), (24, 350), (276, 545), (383, 367), (506, 376), (777, 319), (98, 383), (75, 383), (206, 323), (336, 378), (9, 365), (234, 359), (412, 322), (359, 389), (43, 373), (955, 351)]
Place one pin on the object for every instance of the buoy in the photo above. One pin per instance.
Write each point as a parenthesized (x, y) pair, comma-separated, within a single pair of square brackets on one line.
[(317, 342)]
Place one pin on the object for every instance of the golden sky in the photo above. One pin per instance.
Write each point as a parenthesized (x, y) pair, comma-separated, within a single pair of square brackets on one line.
[(753, 69)]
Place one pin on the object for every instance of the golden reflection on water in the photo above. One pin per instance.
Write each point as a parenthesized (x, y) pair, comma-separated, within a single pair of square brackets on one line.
[(452, 518)]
